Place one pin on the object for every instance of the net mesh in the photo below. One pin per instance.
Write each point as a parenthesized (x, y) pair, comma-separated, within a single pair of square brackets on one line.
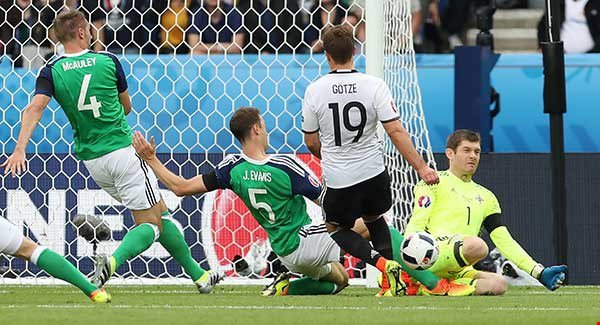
[(188, 64)]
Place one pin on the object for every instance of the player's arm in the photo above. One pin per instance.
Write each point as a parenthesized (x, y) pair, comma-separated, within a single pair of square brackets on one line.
[(15, 164), (122, 86), (179, 185), (44, 89), (310, 126), (388, 115), (424, 203), (304, 181), (125, 101), (550, 277)]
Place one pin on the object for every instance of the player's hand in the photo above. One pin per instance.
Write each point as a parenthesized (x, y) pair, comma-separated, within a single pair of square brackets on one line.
[(553, 276), (146, 150), (428, 175), (15, 163)]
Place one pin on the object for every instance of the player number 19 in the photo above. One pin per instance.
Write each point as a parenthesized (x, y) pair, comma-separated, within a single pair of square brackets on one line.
[(252, 192), (94, 105)]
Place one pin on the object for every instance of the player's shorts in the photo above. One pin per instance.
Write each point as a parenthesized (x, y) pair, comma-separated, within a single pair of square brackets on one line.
[(372, 197), (11, 237), (450, 264), (126, 177), (314, 254)]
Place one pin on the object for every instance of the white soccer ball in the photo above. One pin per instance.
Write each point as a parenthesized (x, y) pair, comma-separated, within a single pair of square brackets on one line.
[(419, 251)]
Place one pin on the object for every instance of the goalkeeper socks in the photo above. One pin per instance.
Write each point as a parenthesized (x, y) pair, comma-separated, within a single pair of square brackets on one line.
[(353, 244), (135, 242), (58, 267), (172, 240), (426, 277), (308, 286), (380, 237)]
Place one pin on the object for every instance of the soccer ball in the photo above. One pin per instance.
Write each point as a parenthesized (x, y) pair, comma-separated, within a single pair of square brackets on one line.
[(419, 251)]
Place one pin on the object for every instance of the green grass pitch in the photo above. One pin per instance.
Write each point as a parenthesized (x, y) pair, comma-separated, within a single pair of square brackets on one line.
[(168, 305)]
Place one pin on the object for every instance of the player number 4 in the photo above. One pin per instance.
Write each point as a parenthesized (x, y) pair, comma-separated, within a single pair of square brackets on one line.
[(94, 105), (261, 205)]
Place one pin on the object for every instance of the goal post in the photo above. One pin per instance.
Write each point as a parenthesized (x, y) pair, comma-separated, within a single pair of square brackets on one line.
[(185, 101)]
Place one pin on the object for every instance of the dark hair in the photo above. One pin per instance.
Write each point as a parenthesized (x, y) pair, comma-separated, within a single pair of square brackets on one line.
[(66, 24), (338, 41), (242, 121), (459, 135)]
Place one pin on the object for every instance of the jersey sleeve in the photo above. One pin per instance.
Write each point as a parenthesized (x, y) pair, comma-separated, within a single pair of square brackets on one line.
[(119, 73), (384, 104), (310, 122), (424, 202), (223, 173), (304, 181), (44, 83), (493, 206)]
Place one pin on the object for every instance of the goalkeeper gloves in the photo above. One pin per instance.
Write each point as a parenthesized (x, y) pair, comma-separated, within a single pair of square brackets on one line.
[(551, 277)]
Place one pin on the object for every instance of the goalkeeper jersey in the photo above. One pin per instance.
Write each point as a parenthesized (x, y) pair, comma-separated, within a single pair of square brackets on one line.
[(451, 207), (274, 191), (87, 86)]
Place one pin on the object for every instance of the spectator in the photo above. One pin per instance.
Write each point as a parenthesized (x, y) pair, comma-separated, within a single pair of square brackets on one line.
[(216, 28), (271, 26), (122, 25), (26, 31), (356, 24), (324, 13), (174, 21), (579, 26)]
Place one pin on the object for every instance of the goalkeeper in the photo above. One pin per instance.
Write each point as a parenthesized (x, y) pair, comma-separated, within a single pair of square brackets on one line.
[(455, 209)]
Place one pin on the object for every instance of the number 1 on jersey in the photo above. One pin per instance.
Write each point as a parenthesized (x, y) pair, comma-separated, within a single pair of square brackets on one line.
[(252, 192), (94, 105)]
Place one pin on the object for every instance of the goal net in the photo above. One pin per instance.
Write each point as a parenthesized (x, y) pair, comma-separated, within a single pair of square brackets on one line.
[(189, 64)]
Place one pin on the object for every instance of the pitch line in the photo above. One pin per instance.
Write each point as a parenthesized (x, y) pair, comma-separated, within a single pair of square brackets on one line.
[(325, 308)]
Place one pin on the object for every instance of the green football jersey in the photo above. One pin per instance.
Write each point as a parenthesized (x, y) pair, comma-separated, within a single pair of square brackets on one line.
[(274, 191), (451, 207), (87, 87)]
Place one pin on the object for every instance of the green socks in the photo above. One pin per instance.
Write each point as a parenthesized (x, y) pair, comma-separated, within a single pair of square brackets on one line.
[(58, 267), (135, 242), (172, 240), (427, 278), (308, 286)]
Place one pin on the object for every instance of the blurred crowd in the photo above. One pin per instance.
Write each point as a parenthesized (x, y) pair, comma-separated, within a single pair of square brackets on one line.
[(199, 26), (245, 26)]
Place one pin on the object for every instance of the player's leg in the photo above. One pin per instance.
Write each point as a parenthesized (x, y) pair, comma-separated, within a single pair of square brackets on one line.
[(425, 277), (13, 242), (124, 176), (173, 241), (317, 258), (377, 200), (342, 207), (487, 283)]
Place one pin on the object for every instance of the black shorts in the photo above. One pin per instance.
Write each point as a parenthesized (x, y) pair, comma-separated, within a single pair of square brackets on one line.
[(342, 206)]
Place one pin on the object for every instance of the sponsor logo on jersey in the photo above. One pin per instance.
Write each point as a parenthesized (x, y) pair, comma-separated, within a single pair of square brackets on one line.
[(393, 107), (479, 199), (424, 201)]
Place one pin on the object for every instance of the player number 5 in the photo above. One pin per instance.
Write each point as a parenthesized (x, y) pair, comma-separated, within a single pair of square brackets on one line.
[(261, 205), (94, 105)]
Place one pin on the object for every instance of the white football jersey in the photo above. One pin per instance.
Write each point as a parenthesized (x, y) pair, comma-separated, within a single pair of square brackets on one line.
[(344, 106)]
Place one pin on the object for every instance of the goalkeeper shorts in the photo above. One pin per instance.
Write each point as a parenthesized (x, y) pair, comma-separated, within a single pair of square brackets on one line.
[(11, 237), (450, 264), (314, 253)]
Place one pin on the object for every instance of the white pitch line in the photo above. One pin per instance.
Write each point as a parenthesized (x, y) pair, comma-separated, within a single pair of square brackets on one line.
[(325, 308)]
